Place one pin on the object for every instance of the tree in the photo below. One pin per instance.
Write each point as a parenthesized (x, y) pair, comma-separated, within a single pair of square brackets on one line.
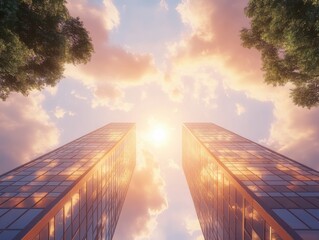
[(287, 35), (37, 37)]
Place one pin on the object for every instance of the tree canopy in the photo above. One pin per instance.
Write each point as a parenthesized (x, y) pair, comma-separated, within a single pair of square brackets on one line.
[(37, 37), (287, 35)]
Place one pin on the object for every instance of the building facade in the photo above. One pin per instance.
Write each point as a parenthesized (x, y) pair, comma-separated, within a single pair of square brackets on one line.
[(242, 190), (74, 192)]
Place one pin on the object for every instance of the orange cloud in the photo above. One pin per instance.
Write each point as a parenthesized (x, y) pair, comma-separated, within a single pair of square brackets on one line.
[(214, 45), (109, 64), (112, 96), (23, 127), (145, 200)]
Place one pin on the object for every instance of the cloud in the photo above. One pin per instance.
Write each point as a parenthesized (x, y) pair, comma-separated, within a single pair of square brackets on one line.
[(173, 88), (213, 45), (52, 90), (295, 132), (143, 95), (173, 164), (84, 8), (191, 76), (240, 109), (25, 130), (77, 95), (212, 48), (59, 112), (192, 225), (111, 96), (213, 42), (145, 200), (163, 5), (110, 64)]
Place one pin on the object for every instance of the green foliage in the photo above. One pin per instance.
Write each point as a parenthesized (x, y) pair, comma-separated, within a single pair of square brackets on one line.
[(37, 37), (286, 33)]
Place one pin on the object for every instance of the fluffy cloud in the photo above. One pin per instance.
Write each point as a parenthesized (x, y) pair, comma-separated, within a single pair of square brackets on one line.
[(145, 200), (214, 43), (189, 76), (192, 225), (59, 112), (112, 96), (295, 132), (25, 130), (52, 90), (213, 48), (110, 65)]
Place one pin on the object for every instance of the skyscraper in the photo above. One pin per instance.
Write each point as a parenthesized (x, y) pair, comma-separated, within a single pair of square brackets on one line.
[(242, 190), (74, 192)]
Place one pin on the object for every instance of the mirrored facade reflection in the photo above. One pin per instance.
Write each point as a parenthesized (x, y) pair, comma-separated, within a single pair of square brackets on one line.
[(244, 191), (74, 192)]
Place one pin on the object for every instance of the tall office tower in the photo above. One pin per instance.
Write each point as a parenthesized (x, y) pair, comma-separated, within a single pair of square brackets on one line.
[(242, 190), (74, 192)]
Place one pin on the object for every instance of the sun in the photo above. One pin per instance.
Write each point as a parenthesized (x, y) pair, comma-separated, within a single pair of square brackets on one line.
[(158, 134)]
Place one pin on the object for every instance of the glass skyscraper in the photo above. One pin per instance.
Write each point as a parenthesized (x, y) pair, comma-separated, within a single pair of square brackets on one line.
[(242, 190), (74, 192)]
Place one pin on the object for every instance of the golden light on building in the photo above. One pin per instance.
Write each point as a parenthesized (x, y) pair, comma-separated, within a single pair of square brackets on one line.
[(249, 191)]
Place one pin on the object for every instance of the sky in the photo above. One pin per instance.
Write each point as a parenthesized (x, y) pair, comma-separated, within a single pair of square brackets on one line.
[(159, 63)]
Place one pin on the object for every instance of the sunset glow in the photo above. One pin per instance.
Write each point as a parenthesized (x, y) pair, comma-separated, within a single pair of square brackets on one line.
[(158, 64)]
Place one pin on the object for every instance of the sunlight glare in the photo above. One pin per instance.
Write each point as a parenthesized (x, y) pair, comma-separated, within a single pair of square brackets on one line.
[(158, 135)]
